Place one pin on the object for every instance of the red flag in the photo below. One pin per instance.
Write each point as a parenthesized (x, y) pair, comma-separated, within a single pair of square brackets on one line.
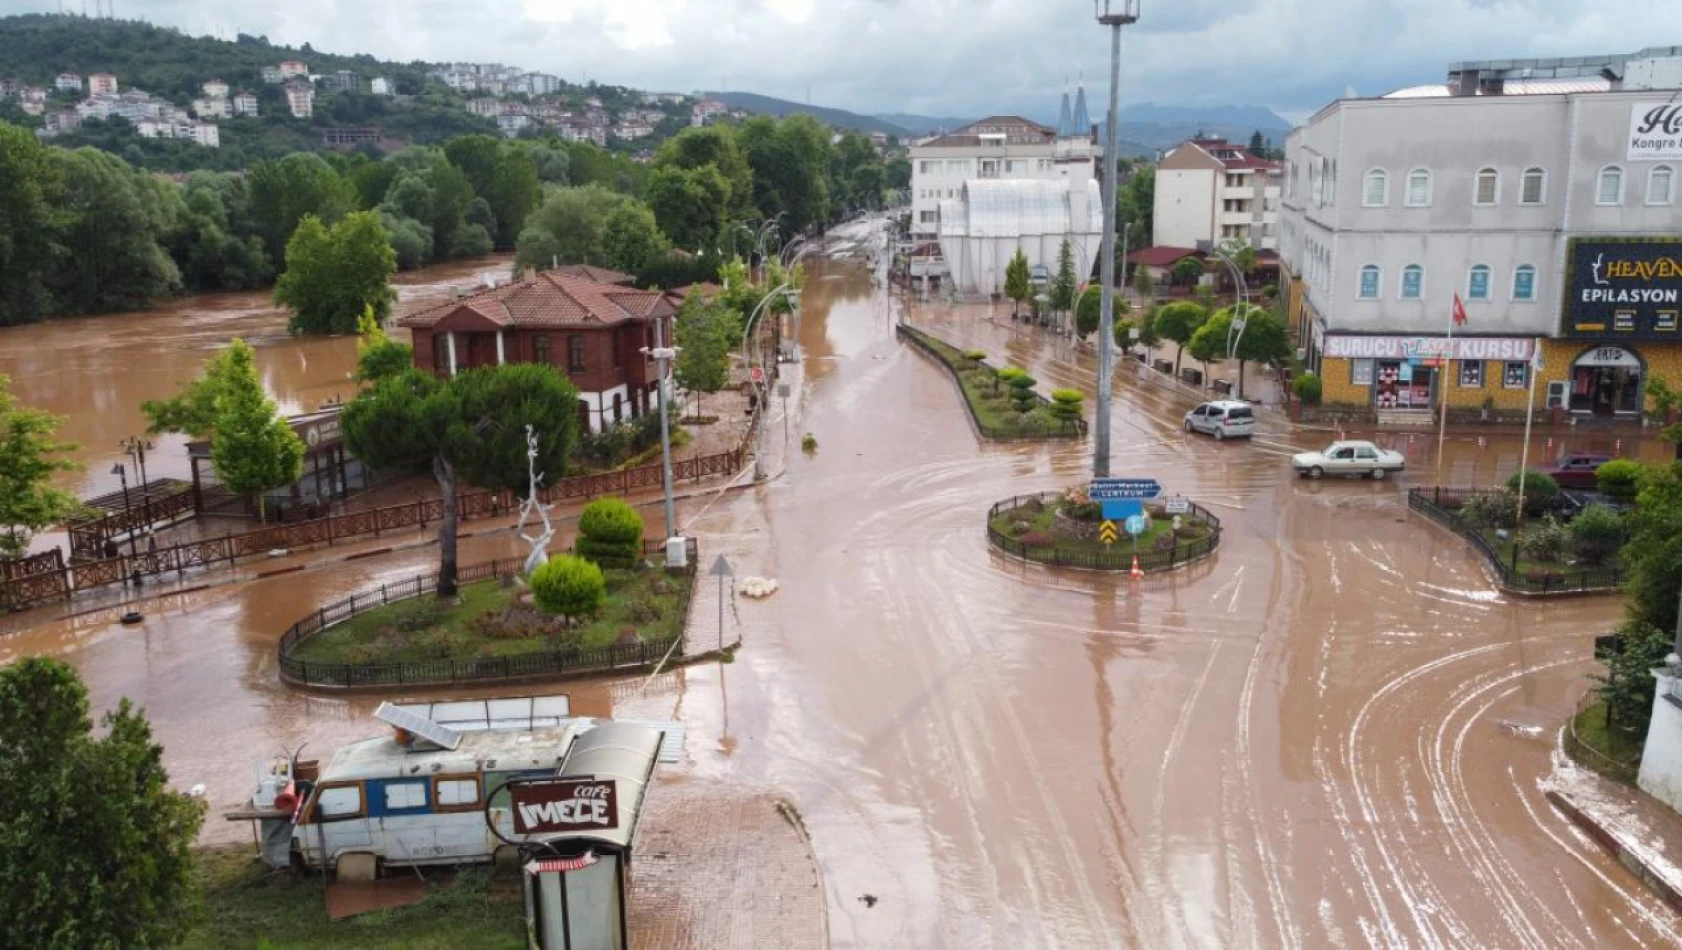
[(1459, 311)]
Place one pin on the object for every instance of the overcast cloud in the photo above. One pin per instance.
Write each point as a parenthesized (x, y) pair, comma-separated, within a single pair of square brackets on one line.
[(952, 57)]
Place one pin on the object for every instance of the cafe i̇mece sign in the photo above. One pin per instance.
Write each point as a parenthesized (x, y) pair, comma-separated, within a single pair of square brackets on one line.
[(565, 806), (1624, 289)]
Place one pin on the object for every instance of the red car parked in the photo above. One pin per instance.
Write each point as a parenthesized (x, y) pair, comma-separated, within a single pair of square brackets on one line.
[(1576, 470)]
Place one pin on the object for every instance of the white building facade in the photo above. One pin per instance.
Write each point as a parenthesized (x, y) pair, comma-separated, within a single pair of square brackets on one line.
[(1548, 203), (1209, 191)]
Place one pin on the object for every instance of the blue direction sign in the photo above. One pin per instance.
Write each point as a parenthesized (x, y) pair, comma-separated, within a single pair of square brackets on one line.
[(1115, 489), (1121, 509), (1136, 525)]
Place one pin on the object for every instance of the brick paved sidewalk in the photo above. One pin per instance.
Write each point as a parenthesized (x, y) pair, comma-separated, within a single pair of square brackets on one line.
[(721, 866)]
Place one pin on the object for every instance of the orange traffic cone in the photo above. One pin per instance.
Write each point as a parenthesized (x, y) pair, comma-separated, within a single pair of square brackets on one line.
[(1136, 572)]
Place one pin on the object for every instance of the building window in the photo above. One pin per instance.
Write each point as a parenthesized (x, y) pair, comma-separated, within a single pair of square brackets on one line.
[(927, 217), (575, 354), (1535, 185), (1471, 374), (1610, 190), (1488, 187), (1419, 188), (927, 168), (1413, 282), (1360, 372), (1370, 277), (1515, 375), (1375, 190), (1477, 283), (1660, 185), (540, 349), (1524, 283)]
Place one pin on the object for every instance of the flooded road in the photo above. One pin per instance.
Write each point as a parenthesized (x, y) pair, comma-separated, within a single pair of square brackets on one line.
[(96, 371), (1329, 734)]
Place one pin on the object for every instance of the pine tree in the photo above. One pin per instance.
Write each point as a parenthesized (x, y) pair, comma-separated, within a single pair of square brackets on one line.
[(1016, 282), (254, 449)]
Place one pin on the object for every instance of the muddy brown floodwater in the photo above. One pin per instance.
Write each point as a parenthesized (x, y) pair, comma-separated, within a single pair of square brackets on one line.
[(1329, 734)]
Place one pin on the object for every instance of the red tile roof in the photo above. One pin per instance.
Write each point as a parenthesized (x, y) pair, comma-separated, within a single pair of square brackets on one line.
[(1162, 256), (599, 275), (550, 299)]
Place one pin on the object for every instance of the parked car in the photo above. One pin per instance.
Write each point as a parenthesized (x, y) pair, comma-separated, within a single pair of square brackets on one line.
[(1348, 458), (1577, 469), (1225, 419)]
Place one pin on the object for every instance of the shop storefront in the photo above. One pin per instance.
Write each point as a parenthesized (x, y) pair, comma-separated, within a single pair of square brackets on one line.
[(1622, 322), (1606, 381), (1414, 374)]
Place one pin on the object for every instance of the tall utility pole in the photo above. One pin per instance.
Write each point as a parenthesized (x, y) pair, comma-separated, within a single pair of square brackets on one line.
[(1114, 14), (663, 356)]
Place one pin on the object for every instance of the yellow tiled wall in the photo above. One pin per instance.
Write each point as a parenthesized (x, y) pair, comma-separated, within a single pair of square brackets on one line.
[(1664, 360)]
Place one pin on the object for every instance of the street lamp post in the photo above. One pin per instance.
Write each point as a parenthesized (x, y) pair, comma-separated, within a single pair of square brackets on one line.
[(761, 395), (128, 515), (1114, 14), (136, 448), (677, 553)]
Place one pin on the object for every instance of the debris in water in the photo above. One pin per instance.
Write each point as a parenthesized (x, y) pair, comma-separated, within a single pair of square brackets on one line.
[(868, 900), (758, 588)]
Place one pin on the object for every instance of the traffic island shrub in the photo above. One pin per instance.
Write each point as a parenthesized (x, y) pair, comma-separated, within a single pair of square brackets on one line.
[(1540, 490), (570, 587), (1002, 402), (610, 534), (1597, 533), (1494, 510), (1619, 478), (1068, 532), (1545, 540)]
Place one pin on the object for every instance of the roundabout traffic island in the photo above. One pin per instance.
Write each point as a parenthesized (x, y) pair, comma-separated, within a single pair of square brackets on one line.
[(1068, 529)]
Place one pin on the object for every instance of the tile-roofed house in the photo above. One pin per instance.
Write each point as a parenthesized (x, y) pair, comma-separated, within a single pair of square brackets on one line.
[(591, 330), (590, 272)]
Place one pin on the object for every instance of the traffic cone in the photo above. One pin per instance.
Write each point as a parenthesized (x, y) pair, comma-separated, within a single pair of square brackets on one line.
[(1136, 572)]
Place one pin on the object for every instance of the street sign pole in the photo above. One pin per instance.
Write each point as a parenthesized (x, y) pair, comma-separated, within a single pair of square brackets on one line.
[(722, 570)]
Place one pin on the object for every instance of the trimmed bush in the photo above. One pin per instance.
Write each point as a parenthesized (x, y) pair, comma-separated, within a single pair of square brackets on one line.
[(1540, 490), (1022, 397), (570, 587), (1308, 389), (610, 534), (1497, 509), (1545, 540), (975, 356), (1066, 404), (1619, 478), (1597, 533)]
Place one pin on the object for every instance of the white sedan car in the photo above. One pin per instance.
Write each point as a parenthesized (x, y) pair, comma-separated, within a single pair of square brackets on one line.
[(1348, 458)]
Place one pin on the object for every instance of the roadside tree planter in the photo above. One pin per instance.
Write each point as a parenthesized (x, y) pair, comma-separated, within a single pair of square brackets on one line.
[(1067, 529), (1002, 403), (1528, 561)]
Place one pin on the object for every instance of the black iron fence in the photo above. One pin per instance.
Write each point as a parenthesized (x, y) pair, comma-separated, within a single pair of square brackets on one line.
[(1442, 505), (1030, 431), (555, 663), (1179, 553)]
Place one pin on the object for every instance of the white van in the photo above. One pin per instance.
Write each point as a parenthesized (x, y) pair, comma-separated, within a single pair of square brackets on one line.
[(1225, 419)]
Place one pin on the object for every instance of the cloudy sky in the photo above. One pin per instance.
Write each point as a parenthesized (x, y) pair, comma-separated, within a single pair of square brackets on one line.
[(952, 57)]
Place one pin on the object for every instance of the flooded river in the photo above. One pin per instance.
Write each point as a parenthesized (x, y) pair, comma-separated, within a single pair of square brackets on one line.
[(1328, 735)]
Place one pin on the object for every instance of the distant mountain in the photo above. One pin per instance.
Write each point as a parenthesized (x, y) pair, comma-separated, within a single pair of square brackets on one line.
[(839, 118), (922, 124)]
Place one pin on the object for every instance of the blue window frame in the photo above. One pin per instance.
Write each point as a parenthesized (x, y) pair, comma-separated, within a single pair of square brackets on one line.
[(1369, 282), (399, 797), (1477, 287), (1524, 283), (1413, 282)]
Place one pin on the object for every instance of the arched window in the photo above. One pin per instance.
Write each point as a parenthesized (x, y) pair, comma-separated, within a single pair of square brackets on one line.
[(1477, 282), (1413, 282), (1609, 189), (1375, 189), (1535, 186), (1524, 283), (1371, 278), (1488, 187), (1661, 182), (1419, 188)]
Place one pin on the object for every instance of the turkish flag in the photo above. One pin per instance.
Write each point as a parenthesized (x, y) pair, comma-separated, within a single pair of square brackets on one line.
[(1459, 311)]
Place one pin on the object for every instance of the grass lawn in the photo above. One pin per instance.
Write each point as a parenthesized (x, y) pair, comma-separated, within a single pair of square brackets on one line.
[(426, 629), (248, 905), (1618, 745), (990, 399), (1528, 566), (1041, 522)]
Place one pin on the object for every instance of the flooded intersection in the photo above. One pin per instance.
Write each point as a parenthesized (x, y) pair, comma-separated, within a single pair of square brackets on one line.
[(1329, 734)]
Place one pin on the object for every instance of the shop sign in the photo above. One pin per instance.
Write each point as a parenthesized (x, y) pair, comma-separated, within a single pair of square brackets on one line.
[(320, 431), (1610, 356), (564, 806), (1655, 131), (1430, 348), (1625, 288)]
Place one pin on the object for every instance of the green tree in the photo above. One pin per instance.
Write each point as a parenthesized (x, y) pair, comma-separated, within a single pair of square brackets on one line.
[(254, 449), (30, 455), (113, 219), (98, 848), (1208, 343), (469, 428), (333, 276), (705, 334), (1264, 339), (502, 173), (1187, 270), (610, 533), (570, 587), (378, 355), (567, 228), (1136, 206), (790, 160), (284, 192), (1017, 286), (691, 204), (1179, 322), (1063, 285), (31, 188), (631, 240), (192, 410), (714, 147)]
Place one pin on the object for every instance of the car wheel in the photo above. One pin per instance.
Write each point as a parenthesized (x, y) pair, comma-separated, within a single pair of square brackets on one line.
[(1188, 425), (1378, 474), (1220, 434), (1316, 472)]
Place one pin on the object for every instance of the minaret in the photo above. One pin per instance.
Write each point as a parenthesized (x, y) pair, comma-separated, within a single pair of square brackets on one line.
[(1063, 122), (1083, 124)]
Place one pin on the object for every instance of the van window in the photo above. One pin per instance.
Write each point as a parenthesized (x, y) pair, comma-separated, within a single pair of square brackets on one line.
[(1239, 412), (339, 801), (458, 791), (400, 796)]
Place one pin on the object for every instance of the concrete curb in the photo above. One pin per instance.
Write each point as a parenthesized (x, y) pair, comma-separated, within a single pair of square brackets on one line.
[(1666, 889)]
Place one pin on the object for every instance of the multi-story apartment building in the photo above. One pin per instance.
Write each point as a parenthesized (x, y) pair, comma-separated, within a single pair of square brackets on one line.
[(211, 108), (214, 89), (102, 84), (245, 102), (380, 86), (272, 75), (1544, 193), (300, 97), (342, 81), (293, 68), (68, 82), (1209, 191), (484, 105)]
